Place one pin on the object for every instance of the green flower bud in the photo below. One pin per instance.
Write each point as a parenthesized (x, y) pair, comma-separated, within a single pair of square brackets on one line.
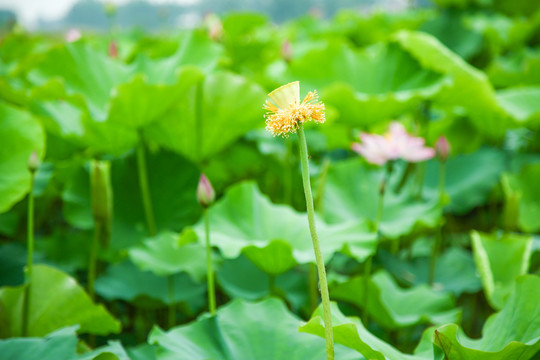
[(102, 195)]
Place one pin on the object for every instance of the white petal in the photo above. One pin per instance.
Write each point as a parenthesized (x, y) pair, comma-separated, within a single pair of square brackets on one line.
[(286, 94)]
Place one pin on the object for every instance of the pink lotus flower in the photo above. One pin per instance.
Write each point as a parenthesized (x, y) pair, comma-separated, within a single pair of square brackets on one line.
[(73, 35), (397, 143)]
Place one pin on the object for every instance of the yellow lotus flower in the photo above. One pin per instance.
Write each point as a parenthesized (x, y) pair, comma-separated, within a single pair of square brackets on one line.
[(286, 112)]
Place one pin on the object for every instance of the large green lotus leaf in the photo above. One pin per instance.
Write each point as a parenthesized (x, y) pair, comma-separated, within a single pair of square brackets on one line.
[(213, 114), (56, 301), (131, 105), (13, 259), (172, 184), (500, 259), (119, 98), (76, 201), (459, 3), (469, 178), (521, 68), (21, 134), (71, 127), (351, 333), (93, 74), (241, 330), (142, 352), (451, 28), (65, 248), (63, 117), (60, 344), (455, 271), (241, 278), (274, 258), (351, 192), (376, 27), (82, 71), (517, 8), (393, 307), (458, 130), (112, 351), (164, 255), (524, 187), (12, 89), (511, 334), (522, 104), (137, 103), (383, 80), (251, 41), (501, 33), (134, 105), (195, 49), (245, 218), (471, 88), (124, 281)]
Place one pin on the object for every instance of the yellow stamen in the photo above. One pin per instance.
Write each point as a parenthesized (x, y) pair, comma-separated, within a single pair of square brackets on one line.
[(283, 117)]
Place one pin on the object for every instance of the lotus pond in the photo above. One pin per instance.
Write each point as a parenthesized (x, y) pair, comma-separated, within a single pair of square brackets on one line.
[(151, 208)]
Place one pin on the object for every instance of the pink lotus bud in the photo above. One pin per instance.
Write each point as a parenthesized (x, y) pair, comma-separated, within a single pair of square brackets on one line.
[(214, 27), (73, 35), (33, 162), (286, 51), (316, 12), (205, 192), (113, 50), (442, 147)]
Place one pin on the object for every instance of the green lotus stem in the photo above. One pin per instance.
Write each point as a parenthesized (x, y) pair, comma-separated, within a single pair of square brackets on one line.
[(92, 265), (272, 285), (30, 259), (102, 211), (420, 176), (368, 263), (328, 330), (209, 267), (442, 175), (438, 234), (145, 191), (395, 246), (320, 186), (150, 220), (172, 308), (312, 286), (423, 124), (288, 173)]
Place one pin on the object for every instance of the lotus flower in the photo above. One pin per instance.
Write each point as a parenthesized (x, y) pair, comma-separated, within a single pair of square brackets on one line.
[(397, 143), (286, 112), (73, 35)]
